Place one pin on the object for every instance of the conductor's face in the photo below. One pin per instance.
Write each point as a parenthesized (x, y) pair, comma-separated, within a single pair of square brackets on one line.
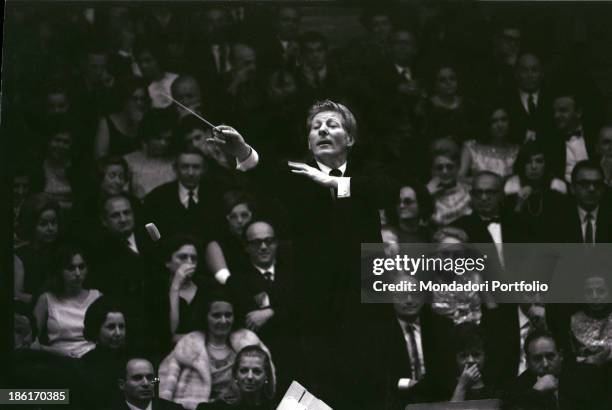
[(328, 137)]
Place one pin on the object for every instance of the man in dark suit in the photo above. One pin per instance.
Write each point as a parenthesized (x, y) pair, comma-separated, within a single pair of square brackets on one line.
[(186, 205), (530, 106), (586, 216), (333, 208), (137, 383), (281, 49)]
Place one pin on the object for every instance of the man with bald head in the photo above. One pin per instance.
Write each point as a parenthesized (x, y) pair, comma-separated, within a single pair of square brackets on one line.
[(528, 101), (186, 90)]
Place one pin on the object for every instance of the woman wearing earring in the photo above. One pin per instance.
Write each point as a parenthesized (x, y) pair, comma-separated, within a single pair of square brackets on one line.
[(252, 372)]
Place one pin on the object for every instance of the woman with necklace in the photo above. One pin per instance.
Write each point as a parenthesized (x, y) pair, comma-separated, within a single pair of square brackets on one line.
[(199, 369)]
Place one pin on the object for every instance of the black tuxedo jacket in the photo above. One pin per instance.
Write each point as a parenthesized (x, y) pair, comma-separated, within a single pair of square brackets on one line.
[(157, 404), (540, 121), (163, 207), (556, 154)]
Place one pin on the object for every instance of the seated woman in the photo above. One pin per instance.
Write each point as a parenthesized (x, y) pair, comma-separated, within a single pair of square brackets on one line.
[(494, 152), (199, 369), (226, 253), (411, 215), (174, 290), (60, 312), (39, 225), (252, 372), (105, 325), (591, 326), (451, 197), (532, 191), (465, 380)]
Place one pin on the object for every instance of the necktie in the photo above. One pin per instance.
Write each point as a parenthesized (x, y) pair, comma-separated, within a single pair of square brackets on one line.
[(588, 232), (414, 354), (191, 203), (531, 105), (268, 276)]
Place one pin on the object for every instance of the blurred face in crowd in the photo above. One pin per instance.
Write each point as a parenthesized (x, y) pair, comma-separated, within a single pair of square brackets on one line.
[(499, 124), (588, 188), (543, 357), (220, 319), (604, 142), (47, 228), (281, 86), (391, 242), (138, 384), (21, 188), (57, 103), (509, 42), (186, 91), (158, 145), (74, 274), (407, 305), (261, 244), (198, 137), (567, 116), (118, 217), (380, 26), (217, 22), (149, 66), (244, 59), (185, 255), (403, 48), (470, 357), (137, 104), (328, 137), (251, 373), (314, 55), (112, 331), (59, 147), (446, 82), (407, 206), (96, 68), (238, 218), (190, 169), (445, 169), (487, 195), (114, 179), (529, 73), (597, 293), (535, 166), (288, 23)]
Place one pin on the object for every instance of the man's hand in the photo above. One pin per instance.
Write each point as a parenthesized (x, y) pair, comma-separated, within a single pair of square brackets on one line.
[(313, 173), (230, 141), (257, 318), (546, 383), (182, 274)]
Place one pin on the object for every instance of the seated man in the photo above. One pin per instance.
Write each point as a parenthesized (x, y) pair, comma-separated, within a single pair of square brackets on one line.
[(137, 384)]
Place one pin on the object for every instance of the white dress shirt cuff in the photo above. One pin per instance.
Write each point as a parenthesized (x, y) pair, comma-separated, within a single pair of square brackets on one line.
[(344, 187), (249, 162), (222, 275)]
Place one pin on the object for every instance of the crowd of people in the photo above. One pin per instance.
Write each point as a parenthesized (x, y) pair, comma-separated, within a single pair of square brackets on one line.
[(163, 263)]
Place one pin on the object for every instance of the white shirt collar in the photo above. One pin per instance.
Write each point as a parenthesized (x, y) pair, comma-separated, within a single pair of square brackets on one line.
[(523, 319), (132, 407), (404, 324), (582, 213), (271, 269), (184, 194), (525, 98), (132, 243), (326, 169)]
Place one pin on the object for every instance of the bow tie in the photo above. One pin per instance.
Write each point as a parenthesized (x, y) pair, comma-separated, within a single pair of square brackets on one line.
[(494, 220)]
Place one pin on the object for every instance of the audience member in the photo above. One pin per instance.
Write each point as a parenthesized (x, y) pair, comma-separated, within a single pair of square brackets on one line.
[(153, 72), (412, 213), (451, 197)]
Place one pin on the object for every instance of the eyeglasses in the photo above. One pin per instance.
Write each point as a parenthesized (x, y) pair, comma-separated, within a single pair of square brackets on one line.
[(584, 184), (258, 242)]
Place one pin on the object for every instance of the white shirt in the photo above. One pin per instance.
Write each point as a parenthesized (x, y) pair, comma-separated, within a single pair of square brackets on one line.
[(158, 88), (575, 151), (132, 407), (524, 328), (419, 344), (404, 72), (344, 183), (262, 270), (583, 221), (525, 99), (131, 240), (184, 195), (495, 231)]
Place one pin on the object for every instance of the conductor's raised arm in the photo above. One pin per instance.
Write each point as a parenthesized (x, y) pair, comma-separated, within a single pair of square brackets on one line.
[(232, 143)]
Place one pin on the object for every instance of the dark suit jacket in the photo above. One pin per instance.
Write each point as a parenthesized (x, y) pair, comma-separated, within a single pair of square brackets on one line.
[(163, 207), (540, 121), (157, 404), (570, 230)]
